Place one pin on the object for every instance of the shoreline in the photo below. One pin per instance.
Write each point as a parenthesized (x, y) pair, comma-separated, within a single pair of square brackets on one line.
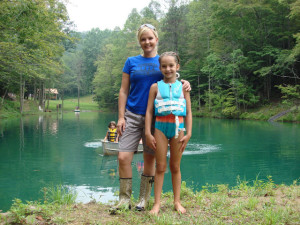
[(260, 113), (263, 202)]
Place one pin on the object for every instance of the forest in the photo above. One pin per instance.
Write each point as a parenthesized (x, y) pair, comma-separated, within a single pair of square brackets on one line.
[(237, 54)]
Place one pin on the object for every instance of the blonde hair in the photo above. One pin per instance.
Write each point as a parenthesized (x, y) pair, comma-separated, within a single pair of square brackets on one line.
[(143, 29), (174, 54)]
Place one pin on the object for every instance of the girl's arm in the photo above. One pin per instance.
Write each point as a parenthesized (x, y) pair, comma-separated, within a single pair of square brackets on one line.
[(188, 121), (150, 140), (123, 95), (106, 136)]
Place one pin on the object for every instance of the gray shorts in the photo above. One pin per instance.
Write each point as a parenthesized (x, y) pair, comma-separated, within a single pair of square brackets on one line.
[(134, 131)]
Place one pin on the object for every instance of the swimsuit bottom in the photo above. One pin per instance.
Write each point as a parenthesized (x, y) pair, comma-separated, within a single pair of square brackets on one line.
[(167, 125)]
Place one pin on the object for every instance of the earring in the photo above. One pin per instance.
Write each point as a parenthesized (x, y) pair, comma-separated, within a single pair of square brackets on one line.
[(177, 75)]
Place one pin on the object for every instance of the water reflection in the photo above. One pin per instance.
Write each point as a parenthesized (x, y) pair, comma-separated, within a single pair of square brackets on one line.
[(199, 149), (99, 194), (94, 144)]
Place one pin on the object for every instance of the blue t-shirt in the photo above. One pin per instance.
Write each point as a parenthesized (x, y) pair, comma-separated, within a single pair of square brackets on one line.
[(143, 73)]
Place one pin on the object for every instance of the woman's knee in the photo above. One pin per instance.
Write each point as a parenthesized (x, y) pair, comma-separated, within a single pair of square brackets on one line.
[(124, 160)]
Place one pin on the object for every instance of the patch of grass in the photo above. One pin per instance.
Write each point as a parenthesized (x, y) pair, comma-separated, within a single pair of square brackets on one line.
[(60, 194), (263, 113), (86, 103), (249, 202), (9, 109)]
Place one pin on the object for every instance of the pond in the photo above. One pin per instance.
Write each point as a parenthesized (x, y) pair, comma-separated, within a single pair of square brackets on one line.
[(45, 151)]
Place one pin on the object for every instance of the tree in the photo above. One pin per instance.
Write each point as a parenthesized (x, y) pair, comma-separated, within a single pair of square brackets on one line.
[(31, 36), (92, 44)]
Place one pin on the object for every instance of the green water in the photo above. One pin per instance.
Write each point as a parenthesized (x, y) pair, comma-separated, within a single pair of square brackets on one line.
[(37, 152)]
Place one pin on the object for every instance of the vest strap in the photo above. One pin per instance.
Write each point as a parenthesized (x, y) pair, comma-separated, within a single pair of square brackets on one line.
[(177, 129), (170, 108), (169, 103)]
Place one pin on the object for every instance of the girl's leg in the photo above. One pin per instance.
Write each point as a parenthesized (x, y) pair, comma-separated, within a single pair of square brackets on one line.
[(175, 158), (161, 165)]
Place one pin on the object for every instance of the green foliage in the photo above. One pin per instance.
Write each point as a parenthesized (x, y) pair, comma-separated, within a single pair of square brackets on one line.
[(31, 43), (60, 194), (290, 94), (259, 187), (9, 108), (238, 50), (26, 213)]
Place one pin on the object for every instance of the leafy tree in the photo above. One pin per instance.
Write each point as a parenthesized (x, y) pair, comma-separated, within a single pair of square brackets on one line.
[(91, 47), (290, 94), (30, 40)]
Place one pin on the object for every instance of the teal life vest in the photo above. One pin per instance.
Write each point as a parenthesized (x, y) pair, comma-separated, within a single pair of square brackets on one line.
[(170, 99)]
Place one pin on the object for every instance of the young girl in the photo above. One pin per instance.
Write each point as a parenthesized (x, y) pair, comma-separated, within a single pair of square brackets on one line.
[(111, 134), (171, 104)]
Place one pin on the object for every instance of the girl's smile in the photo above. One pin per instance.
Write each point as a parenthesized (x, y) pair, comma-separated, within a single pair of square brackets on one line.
[(169, 67)]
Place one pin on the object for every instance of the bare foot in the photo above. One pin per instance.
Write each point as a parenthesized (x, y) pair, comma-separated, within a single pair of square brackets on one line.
[(155, 210), (179, 208)]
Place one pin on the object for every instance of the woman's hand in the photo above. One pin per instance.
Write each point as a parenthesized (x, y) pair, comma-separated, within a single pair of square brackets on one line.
[(121, 126), (186, 85)]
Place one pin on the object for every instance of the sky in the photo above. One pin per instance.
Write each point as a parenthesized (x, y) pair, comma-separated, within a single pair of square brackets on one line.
[(104, 14)]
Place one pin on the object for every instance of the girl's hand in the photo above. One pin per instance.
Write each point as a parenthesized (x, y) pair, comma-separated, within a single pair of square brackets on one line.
[(150, 141), (186, 85), (184, 140), (120, 126)]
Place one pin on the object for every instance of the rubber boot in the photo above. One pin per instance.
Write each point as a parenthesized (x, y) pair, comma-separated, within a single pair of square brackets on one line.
[(124, 196), (145, 191)]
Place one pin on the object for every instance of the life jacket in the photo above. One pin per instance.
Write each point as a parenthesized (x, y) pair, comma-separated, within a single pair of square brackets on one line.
[(112, 134), (170, 99)]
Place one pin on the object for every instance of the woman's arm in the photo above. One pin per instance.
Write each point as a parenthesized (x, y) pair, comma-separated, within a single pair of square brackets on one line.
[(150, 140), (188, 121), (186, 85), (123, 95)]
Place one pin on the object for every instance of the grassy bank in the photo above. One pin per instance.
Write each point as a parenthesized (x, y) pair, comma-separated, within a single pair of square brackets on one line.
[(86, 104), (257, 202), (11, 109), (263, 113)]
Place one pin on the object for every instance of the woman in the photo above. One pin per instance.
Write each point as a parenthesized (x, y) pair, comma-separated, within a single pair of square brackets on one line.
[(139, 73)]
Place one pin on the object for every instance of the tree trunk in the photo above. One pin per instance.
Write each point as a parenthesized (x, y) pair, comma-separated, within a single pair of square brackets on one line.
[(199, 98), (78, 105), (48, 98), (209, 97), (40, 95), (34, 91), (44, 97), (22, 87), (62, 101), (3, 97)]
